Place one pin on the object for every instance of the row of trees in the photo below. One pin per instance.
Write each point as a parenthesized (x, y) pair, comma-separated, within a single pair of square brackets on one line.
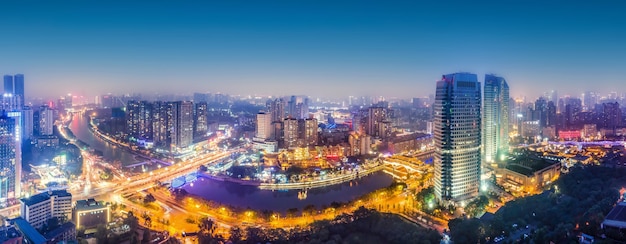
[(362, 226)]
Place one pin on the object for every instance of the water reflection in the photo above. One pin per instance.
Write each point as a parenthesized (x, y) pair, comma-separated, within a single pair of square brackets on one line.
[(109, 152), (251, 196)]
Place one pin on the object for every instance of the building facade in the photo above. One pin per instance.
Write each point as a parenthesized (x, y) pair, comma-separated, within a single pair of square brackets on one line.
[(10, 159), (91, 213), (37, 209), (457, 137), (495, 118)]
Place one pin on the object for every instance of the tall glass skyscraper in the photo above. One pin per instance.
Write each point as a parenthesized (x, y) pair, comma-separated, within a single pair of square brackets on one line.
[(496, 118), (457, 138), (10, 157)]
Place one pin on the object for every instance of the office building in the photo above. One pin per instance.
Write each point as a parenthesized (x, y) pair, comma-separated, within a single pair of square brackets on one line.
[(18, 87), (14, 87), (8, 84), (37, 209), (91, 213), (496, 118), (10, 157), (457, 127)]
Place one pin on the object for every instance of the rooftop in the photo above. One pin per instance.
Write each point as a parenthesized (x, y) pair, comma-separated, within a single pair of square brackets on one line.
[(29, 231), (44, 196), (617, 216), (528, 165), (60, 230), (8, 233), (90, 204)]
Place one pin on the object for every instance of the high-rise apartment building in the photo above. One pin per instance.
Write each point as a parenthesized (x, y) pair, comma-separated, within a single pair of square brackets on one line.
[(27, 118), (290, 132), (495, 118), (160, 124), (375, 116), (310, 132), (182, 124), (200, 123), (277, 109), (139, 120), (45, 121), (457, 136)]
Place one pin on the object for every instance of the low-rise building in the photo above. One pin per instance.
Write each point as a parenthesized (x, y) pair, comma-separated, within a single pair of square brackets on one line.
[(91, 213), (527, 173), (10, 235), (616, 219)]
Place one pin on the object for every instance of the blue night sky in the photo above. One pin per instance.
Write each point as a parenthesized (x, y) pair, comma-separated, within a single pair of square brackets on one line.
[(318, 48)]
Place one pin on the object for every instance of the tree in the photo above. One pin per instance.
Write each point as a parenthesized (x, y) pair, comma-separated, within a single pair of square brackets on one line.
[(236, 234), (206, 232), (464, 230), (309, 209), (292, 212), (149, 199), (101, 234), (131, 221)]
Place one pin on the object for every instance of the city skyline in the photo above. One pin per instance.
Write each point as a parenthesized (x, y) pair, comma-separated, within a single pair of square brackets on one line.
[(346, 49)]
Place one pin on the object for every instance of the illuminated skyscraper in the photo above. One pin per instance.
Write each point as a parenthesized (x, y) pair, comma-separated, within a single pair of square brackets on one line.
[(457, 138), (496, 118), (10, 156)]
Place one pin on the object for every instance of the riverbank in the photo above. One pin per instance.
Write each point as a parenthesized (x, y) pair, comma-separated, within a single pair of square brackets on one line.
[(321, 183)]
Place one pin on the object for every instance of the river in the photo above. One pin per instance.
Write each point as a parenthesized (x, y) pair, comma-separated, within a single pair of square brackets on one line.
[(234, 194), (255, 198), (110, 152)]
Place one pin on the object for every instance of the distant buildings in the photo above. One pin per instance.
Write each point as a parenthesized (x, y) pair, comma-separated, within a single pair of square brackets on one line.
[(168, 125), (14, 85), (457, 127), (495, 118), (37, 209), (45, 121)]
